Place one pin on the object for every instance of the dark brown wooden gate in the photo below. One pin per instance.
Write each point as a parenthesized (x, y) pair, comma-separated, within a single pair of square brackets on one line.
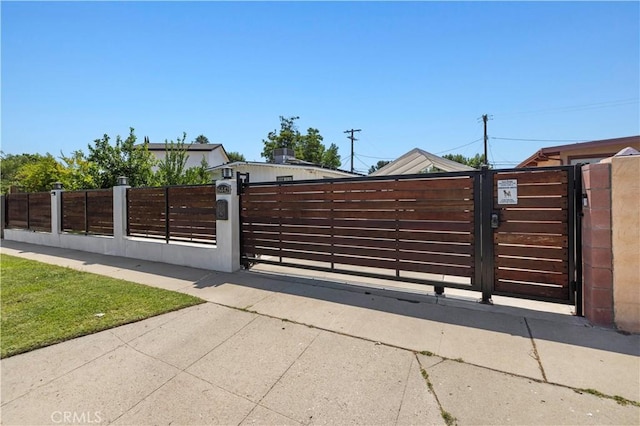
[(534, 238), (444, 229), (417, 228)]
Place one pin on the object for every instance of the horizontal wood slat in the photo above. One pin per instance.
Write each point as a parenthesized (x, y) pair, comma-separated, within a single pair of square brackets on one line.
[(531, 252), (531, 240), (100, 212), (534, 177), (421, 225), (531, 215), (553, 292), (192, 212), (559, 266), (531, 277), (529, 259)]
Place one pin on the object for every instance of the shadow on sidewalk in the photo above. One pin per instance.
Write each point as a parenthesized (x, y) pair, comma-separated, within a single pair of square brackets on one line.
[(465, 313), (550, 326)]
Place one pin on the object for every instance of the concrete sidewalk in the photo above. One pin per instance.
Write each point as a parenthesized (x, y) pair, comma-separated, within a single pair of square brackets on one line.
[(277, 349)]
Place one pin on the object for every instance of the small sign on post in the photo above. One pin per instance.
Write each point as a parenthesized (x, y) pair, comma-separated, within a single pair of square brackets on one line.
[(508, 191)]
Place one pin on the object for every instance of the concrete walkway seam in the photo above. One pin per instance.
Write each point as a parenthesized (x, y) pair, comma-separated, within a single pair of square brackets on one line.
[(444, 358), (535, 350)]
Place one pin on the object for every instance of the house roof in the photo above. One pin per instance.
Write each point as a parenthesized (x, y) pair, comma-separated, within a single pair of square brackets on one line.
[(190, 147), (418, 160), (297, 164), (544, 153)]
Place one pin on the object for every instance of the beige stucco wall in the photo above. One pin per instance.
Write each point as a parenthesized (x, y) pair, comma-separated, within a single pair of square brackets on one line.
[(625, 215)]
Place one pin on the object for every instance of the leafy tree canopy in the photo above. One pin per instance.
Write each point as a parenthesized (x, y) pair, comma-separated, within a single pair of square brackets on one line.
[(40, 175), (122, 159), (380, 164), (235, 156), (201, 139), (172, 168), (10, 165), (476, 161), (308, 147)]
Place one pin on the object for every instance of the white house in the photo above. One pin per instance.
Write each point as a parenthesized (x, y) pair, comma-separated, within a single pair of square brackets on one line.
[(213, 153), (419, 161), (268, 172)]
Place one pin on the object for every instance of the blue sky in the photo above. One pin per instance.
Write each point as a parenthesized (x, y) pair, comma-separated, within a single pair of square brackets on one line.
[(415, 74)]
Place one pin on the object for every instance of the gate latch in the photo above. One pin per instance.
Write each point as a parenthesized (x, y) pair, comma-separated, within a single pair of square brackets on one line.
[(495, 220)]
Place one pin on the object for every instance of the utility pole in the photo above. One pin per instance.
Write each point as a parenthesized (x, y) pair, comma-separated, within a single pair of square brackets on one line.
[(352, 131), (485, 118)]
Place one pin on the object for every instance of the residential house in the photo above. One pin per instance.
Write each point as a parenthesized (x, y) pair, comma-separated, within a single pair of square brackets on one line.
[(213, 153), (420, 161), (585, 152), (268, 172)]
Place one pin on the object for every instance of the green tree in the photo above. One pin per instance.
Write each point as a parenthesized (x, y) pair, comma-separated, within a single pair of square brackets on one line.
[(235, 156), (77, 171), (10, 165), (331, 158), (198, 175), (201, 139), (171, 169), (380, 164), (307, 147), (287, 137), (476, 161), (40, 175), (125, 158)]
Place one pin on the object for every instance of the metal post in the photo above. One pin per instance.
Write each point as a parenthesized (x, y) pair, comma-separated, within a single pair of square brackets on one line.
[(477, 231), (166, 214), (28, 213), (3, 210), (577, 226), (86, 212), (486, 236)]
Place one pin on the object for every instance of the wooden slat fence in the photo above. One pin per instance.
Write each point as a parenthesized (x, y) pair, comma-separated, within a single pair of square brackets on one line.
[(88, 211), (532, 242), (191, 211), (398, 227), (29, 211)]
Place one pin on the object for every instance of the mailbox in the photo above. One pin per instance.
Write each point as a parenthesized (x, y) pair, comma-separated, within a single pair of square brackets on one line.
[(222, 210)]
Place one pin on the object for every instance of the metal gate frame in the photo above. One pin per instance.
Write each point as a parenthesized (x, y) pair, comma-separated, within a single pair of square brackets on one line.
[(574, 235), (483, 280)]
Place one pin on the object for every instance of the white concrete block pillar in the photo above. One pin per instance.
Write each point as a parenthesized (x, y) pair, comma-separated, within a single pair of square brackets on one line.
[(120, 216), (56, 209), (228, 229)]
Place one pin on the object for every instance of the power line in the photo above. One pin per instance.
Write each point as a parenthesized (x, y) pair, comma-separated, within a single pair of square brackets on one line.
[(492, 155), (458, 147), (376, 158), (539, 140), (363, 163), (597, 105)]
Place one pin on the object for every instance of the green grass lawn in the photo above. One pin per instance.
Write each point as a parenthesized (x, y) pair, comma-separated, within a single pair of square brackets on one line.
[(44, 304)]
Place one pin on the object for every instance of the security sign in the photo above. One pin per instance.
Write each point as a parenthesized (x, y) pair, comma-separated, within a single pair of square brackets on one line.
[(508, 191)]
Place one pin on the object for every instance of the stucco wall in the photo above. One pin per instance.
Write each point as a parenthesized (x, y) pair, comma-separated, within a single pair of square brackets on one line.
[(224, 256), (625, 214)]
